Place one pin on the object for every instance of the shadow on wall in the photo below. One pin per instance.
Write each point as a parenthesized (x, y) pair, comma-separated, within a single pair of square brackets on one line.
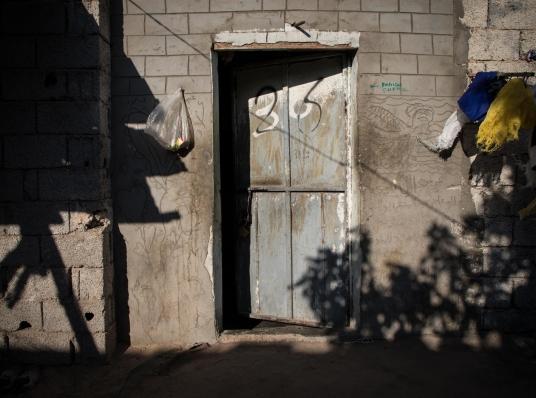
[(145, 200), (471, 283), (67, 38)]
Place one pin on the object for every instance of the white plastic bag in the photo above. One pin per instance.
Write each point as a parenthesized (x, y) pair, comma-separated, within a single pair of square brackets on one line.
[(170, 124), (447, 138)]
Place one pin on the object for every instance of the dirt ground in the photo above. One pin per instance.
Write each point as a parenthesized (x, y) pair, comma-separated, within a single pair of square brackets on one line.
[(406, 368)]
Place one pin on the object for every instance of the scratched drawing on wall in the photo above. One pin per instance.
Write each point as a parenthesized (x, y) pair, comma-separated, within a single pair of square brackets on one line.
[(391, 128)]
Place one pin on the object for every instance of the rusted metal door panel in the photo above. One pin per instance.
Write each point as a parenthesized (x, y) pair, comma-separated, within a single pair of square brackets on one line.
[(319, 258), (335, 304), (292, 254), (317, 123), (262, 111), (307, 268), (270, 252)]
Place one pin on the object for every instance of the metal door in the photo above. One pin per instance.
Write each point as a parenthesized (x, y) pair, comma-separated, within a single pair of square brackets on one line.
[(290, 143)]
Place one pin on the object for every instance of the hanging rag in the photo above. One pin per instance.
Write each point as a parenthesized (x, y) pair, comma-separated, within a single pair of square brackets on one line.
[(529, 210), (478, 97), (512, 109), (445, 141)]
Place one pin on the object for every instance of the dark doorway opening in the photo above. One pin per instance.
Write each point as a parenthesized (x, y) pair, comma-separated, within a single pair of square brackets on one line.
[(235, 200)]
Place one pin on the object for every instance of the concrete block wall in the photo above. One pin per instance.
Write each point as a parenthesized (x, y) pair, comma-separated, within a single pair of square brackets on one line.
[(56, 272), (500, 34), (424, 264)]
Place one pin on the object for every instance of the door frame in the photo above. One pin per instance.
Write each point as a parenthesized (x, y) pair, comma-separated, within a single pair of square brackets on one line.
[(288, 40)]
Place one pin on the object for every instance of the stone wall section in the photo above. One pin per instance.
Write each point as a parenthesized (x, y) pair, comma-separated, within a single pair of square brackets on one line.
[(56, 274), (500, 35)]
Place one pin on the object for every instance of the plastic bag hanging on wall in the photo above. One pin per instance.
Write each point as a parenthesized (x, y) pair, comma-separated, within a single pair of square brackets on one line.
[(170, 124)]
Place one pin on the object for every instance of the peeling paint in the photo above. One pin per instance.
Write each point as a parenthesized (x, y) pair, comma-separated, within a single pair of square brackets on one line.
[(208, 262), (289, 35)]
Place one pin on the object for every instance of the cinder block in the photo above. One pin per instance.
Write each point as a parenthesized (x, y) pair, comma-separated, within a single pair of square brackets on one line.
[(146, 6), (508, 261), (414, 6), (146, 45), (235, 5), (11, 318), (84, 152), (436, 65), (76, 316), (528, 40), (30, 188), (273, 4), (86, 215), (379, 5), (95, 345), (34, 346), (524, 294), (416, 44), (301, 5), (198, 65), (165, 66), (492, 171), (265, 21), (498, 231), (12, 185), (441, 6), (497, 292), (359, 21), (395, 22), (443, 45), (147, 86), (512, 15), (438, 24), (511, 66), (210, 23), (32, 218), (31, 84), (321, 20), (78, 249), (525, 232), (71, 52), (190, 84), (19, 251), (38, 284), (188, 44), (379, 84), (128, 25), (399, 63), (449, 86), (509, 320), (494, 44), (490, 293), (17, 117), (379, 42), (95, 283), (128, 66), (187, 5), (88, 18), (120, 86), (418, 85), (21, 52), (340, 5), (39, 18), (61, 184), (68, 117), (369, 63), (167, 24), (32, 151), (475, 13)]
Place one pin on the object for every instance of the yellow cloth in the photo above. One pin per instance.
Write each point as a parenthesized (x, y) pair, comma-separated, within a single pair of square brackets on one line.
[(512, 109), (529, 210)]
